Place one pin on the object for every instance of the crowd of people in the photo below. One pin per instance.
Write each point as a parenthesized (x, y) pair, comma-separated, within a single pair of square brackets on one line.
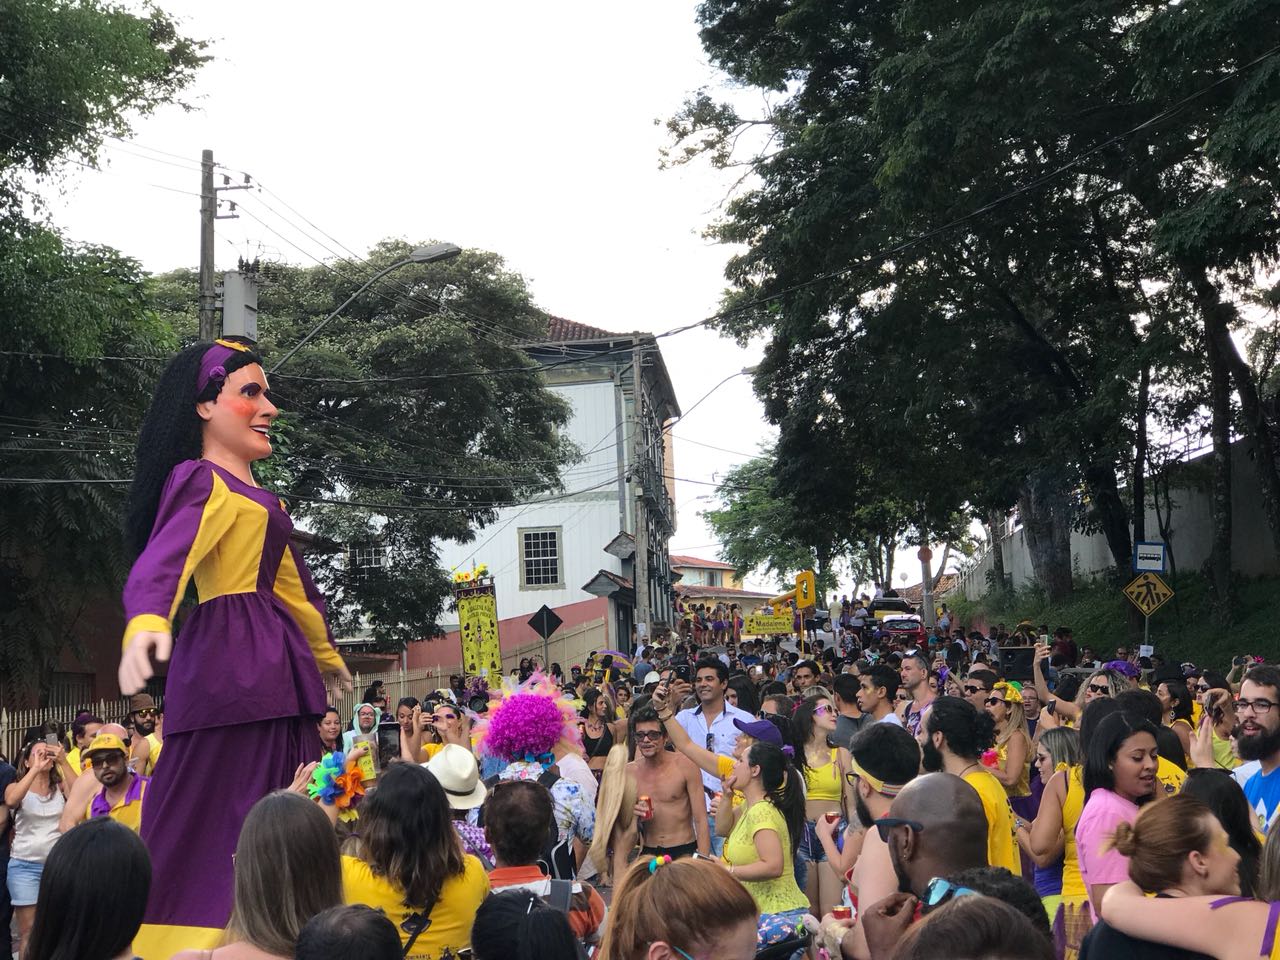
[(753, 798)]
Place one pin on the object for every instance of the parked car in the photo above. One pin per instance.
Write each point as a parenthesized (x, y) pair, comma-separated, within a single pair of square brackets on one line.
[(906, 628)]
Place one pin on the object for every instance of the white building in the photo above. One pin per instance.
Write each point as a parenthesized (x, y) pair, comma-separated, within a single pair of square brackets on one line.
[(574, 550)]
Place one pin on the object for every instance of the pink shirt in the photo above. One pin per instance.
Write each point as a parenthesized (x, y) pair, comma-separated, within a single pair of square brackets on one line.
[(1103, 811)]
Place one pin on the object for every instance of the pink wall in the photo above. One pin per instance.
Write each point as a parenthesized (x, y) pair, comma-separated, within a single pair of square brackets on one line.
[(514, 632)]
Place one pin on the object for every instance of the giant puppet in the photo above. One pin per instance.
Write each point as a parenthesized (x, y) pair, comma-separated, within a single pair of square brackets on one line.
[(244, 686)]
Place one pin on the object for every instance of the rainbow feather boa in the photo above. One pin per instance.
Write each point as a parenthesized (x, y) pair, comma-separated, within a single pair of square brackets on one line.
[(336, 783)]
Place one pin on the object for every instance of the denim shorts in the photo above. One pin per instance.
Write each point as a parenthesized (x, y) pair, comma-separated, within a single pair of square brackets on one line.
[(24, 882)]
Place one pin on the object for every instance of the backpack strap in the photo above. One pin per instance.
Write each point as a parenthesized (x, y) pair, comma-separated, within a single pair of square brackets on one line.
[(550, 777), (560, 895)]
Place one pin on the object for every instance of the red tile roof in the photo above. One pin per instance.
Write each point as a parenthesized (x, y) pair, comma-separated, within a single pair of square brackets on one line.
[(680, 560), (915, 593), (560, 330)]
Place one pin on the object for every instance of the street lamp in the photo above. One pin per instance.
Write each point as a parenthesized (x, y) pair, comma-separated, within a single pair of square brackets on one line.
[(429, 254)]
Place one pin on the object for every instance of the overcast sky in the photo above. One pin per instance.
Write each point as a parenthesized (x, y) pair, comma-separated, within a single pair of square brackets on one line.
[(523, 128)]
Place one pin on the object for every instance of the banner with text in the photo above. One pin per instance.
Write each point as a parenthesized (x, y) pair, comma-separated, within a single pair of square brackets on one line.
[(478, 628), (763, 625)]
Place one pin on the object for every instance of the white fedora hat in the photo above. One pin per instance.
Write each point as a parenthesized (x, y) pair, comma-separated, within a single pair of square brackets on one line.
[(456, 769)]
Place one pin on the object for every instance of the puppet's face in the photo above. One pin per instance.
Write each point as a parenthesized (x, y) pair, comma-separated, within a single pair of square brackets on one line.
[(238, 421)]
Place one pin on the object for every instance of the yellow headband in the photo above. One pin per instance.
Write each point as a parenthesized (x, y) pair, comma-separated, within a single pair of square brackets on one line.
[(875, 783), (231, 344)]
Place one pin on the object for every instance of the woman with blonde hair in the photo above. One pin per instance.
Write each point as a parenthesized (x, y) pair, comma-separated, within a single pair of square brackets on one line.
[(1101, 684), (616, 827), (678, 911), (1013, 745), (287, 870)]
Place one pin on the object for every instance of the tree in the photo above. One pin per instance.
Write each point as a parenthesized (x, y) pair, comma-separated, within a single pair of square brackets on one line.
[(889, 122), (761, 527), (413, 418), (71, 74)]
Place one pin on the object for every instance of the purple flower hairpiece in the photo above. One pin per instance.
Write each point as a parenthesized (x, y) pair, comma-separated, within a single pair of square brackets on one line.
[(212, 364), (789, 751)]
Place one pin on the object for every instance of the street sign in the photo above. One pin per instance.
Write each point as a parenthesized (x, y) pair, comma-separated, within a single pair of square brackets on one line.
[(1149, 557), (1149, 593), (806, 590), (545, 622)]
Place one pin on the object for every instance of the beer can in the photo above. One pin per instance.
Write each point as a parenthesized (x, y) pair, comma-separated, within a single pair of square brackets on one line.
[(832, 817), (648, 805), (841, 912)]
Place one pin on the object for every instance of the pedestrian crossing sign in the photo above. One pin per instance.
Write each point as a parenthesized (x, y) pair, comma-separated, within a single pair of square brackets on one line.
[(1149, 593)]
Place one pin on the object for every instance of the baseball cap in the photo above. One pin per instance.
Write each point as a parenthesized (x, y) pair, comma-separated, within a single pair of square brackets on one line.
[(103, 742), (651, 677), (760, 730)]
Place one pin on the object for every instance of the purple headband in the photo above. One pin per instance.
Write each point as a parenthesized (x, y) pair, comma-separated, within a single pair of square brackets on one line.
[(211, 364)]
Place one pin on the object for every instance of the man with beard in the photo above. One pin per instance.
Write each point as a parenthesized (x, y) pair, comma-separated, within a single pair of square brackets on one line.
[(915, 680), (935, 828), (1258, 739), (884, 758), (674, 820), (145, 748), (954, 738), (122, 789)]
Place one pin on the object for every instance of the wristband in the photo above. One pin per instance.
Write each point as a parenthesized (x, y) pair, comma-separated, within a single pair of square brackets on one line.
[(666, 718)]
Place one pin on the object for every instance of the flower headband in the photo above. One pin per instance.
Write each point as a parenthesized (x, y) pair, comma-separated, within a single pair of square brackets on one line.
[(874, 782), (1012, 693), (211, 364)]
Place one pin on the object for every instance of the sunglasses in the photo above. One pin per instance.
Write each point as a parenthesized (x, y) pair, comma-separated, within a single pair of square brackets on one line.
[(144, 713), (885, 824), (649, 735), (1203, 687), (970, 690), (1099, 688), (940, 890), (821, 711), (992, 701)]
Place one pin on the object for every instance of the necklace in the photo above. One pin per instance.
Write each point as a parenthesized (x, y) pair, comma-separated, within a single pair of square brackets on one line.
[(971, 766)]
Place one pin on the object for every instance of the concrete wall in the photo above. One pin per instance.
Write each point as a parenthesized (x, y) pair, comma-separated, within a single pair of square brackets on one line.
[(1191, 531)]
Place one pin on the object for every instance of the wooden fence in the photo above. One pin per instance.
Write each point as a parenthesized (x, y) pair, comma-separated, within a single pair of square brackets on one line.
[(570, 646)]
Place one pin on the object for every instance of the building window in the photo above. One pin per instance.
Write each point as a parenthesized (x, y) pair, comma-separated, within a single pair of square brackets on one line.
[(540, 566), (369, 556), (713, 578)]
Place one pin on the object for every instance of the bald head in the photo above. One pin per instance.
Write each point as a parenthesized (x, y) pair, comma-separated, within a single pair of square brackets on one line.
[(113, 728), (954, 834)]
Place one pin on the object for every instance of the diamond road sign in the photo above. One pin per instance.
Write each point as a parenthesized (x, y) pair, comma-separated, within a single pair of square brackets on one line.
[(545, 622), (1149, 593)]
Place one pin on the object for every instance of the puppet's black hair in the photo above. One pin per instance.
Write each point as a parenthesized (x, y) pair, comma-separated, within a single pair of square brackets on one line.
[(171, 433)]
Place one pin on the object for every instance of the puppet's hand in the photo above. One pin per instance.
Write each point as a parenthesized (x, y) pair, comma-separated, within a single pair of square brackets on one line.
[(343, 676), (135, 662)]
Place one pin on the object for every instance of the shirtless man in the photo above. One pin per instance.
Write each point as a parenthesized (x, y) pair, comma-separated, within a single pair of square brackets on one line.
[(678, 825)]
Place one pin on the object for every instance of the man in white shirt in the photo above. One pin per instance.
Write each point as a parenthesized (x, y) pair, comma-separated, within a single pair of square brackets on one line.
[(877, 689), (710, 724)]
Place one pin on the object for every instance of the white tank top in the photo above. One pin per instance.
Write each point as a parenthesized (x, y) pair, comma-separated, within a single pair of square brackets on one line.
[(35, 826)]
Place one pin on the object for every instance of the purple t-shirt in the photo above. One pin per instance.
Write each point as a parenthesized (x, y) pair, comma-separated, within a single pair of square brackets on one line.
[(1103, 811)]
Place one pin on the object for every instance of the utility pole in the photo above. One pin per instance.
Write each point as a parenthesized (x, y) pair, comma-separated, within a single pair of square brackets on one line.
[(208, 213), (639, 474), (208, 216)]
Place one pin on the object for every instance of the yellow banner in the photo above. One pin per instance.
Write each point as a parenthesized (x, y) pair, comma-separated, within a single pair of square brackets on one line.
[(478, 627), (759, 624)]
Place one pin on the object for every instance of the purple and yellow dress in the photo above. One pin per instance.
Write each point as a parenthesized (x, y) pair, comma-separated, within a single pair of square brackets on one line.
[(243, 693)]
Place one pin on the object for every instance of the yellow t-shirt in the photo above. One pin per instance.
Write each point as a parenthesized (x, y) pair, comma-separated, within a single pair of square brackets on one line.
[(1170, 775), (781, 893), (1072, 806), (1002, 847), (73, 758), (153, 757), (129, 810), (429, 750), (451, 919)]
